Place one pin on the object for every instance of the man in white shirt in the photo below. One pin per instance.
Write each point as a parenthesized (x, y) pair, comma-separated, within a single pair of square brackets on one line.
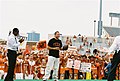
[(12, 46), (116, 58)]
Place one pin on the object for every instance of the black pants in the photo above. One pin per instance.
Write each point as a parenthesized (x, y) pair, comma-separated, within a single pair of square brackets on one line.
[(12, 55), (115, 62)]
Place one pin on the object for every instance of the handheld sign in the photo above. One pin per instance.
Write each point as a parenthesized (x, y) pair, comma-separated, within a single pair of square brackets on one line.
[(85, 67)]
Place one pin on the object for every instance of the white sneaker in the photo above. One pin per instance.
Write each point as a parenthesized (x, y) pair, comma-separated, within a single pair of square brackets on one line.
[(56, 80), (44, 80)]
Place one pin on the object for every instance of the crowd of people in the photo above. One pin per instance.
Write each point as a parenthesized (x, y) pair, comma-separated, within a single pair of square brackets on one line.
[(32, 63)]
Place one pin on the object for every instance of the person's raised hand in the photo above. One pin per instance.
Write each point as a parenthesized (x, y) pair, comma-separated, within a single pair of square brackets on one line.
[(21, 40)]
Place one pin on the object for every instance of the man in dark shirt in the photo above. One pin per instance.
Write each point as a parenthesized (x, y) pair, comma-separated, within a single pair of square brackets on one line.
[(54, 45)]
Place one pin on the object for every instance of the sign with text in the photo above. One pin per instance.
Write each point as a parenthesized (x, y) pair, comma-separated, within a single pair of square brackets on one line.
[(85, 67), (76, 64), (69, 63)]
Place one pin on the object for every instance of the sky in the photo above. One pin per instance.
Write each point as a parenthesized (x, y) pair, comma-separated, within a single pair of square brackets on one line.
[(70, 17)]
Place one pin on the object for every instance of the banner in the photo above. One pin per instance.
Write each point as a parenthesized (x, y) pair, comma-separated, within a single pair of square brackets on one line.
[(72, 48)]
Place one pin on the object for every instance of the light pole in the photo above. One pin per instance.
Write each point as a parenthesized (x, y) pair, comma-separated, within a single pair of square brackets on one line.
[(100, 21), (94, 27)]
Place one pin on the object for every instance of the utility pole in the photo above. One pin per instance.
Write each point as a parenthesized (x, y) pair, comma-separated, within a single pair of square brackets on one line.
[(100, 21), (94, 27)]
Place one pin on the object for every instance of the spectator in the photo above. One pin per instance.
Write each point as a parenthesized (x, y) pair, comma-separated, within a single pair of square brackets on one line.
[(107, 68)]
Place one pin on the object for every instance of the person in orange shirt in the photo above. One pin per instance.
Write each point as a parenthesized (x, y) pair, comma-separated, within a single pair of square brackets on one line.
[(101, 70), (100, 67), (31, 66), (94, 71), (26, 66), (43, 66), (84, 58), (0, 54), (91, 59), (1, 68), (5, 66), (63, 62), (19, 67)]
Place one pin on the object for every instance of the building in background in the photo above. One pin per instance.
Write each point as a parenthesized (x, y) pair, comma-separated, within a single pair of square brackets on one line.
[(33, 36), (109, 31)]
